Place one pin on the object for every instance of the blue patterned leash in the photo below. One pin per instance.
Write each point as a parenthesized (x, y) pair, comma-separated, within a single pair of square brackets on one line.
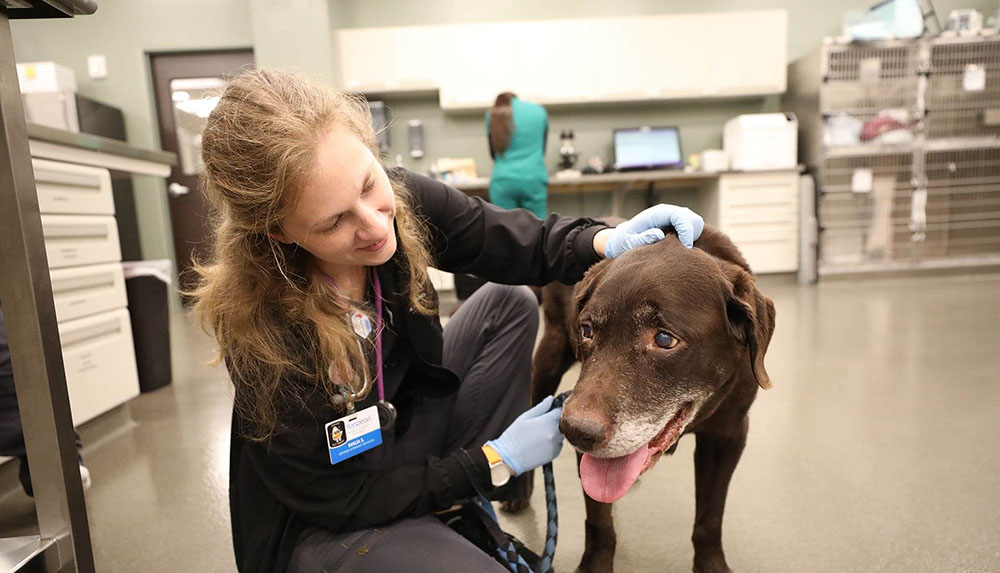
[(505, 547)]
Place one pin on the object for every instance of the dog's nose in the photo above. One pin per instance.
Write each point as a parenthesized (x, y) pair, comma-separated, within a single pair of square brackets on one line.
[(584, 431)]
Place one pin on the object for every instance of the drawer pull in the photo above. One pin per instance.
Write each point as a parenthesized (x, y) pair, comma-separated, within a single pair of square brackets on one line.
[(103, 329), (67, 179), (74, 231), (89, 282)]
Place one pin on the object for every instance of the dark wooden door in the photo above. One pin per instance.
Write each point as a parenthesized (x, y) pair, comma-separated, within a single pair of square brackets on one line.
[(184, 85)]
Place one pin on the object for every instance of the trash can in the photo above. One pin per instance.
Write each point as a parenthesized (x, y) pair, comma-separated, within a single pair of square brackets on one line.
[(147, 283)]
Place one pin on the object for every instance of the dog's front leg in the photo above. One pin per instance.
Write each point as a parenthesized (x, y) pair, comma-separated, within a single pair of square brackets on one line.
[(599, 545), (715, 458)]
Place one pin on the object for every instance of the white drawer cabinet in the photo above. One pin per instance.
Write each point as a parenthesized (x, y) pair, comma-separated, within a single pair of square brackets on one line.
[(760, 213), (88, 286), (100, 363), (64, 188), (73, 240), (91, 289)]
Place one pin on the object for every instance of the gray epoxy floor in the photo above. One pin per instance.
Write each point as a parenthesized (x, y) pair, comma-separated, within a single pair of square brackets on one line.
[(875, 450)]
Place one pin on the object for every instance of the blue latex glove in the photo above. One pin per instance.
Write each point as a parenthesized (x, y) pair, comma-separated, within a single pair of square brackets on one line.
[(645, 228), (532, 440)]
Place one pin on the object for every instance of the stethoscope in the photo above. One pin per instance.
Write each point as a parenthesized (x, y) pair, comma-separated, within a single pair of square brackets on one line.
[(386, 411)]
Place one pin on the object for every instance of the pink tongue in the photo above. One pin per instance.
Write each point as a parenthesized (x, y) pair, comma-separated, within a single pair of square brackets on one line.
[(607, 479)]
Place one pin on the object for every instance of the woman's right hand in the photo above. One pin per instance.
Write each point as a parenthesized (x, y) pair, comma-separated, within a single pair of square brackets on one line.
[(532, 440), (646, 228)]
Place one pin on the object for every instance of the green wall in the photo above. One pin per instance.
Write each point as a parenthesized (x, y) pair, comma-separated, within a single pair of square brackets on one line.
[(294, 35)]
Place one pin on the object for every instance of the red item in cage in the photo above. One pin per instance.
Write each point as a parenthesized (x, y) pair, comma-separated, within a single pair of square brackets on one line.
[(876, 127)]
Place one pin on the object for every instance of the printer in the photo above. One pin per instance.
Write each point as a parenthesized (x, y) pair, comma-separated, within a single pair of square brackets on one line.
[(761, 141)]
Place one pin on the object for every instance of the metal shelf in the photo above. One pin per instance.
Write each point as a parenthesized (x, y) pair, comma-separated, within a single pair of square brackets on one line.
[(63, 543)]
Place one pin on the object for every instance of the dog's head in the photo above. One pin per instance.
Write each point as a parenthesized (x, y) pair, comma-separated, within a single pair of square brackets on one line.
[(664, 334)]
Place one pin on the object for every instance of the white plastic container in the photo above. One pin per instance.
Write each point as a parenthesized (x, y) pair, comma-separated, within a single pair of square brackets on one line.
[(48, 94), (45, 77), (761, 141), (713, 161), (52, 109)]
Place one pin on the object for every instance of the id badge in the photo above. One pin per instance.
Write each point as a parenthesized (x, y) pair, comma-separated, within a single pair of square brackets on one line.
[(353, 434), (361, 323)]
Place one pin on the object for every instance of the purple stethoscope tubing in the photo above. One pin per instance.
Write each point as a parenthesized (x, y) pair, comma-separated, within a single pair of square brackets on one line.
[(378, 335), (387, 412)]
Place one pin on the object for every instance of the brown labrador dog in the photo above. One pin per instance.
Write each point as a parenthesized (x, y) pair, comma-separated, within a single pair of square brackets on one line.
[(671, 341)]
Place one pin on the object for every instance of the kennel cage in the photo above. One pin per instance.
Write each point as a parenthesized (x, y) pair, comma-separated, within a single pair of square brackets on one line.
[(928, 194)]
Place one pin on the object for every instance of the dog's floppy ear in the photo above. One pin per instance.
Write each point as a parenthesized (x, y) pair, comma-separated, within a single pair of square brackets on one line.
[(589, 283), (751, 320)]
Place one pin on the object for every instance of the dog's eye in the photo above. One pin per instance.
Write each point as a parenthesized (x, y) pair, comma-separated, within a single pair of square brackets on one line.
[(665, 340), (586, 331)]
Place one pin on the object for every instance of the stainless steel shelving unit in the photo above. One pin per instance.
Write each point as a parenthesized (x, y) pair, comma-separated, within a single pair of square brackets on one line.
[(63, 542)]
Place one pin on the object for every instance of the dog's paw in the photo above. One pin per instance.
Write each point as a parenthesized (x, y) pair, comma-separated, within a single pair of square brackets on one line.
[(599, 558), (715, 563), (596, 565), (514, 505)]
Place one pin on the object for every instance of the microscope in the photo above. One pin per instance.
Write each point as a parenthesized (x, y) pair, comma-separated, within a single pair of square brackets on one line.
[(567, 156)]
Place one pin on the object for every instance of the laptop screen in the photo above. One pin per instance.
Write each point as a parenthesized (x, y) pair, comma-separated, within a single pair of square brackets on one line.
[(647, 148)]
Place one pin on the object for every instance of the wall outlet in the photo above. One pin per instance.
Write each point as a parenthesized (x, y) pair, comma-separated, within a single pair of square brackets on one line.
[(97, 66)]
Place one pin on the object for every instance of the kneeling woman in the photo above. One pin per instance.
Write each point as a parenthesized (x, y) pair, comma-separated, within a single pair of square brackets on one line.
[(356, 416)]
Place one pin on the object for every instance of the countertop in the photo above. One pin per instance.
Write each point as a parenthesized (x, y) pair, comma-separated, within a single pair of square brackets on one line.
[(100, 144)]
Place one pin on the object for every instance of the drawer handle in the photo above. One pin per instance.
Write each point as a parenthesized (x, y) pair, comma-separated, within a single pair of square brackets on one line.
[(745, 242), (103, 329), (768, 185), (68, 179), (74, 231), (759, 203), (177, 190), (96, 281), (765, 224)]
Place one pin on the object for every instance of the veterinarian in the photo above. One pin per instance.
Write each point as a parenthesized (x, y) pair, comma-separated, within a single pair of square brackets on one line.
[(356, 417), (517, 131)]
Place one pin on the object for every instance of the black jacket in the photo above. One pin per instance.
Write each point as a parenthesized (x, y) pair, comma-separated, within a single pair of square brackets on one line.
[(278, 486)]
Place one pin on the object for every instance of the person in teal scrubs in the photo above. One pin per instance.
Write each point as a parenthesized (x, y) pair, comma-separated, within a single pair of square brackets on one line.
[(517, 131)]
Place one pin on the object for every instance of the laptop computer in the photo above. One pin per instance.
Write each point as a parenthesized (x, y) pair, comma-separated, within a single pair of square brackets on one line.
[(647, 148)]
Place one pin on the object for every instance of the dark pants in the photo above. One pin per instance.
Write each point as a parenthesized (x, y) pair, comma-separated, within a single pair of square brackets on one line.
[(488, 343), (11, 434)]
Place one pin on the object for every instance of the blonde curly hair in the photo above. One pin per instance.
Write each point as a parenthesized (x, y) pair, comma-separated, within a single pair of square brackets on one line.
[(279, 330)]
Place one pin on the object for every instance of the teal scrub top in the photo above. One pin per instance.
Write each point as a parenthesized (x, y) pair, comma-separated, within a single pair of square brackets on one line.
[(524, 159)]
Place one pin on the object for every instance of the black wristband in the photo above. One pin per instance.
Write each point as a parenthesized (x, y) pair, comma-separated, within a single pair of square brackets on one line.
[(474, 471)]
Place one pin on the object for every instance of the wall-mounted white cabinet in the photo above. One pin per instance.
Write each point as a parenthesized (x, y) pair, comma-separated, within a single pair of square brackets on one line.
[(536, 60), (473, 71), (655, 57), (399, 59), (573, 61), (552, 68), (747, 53)]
